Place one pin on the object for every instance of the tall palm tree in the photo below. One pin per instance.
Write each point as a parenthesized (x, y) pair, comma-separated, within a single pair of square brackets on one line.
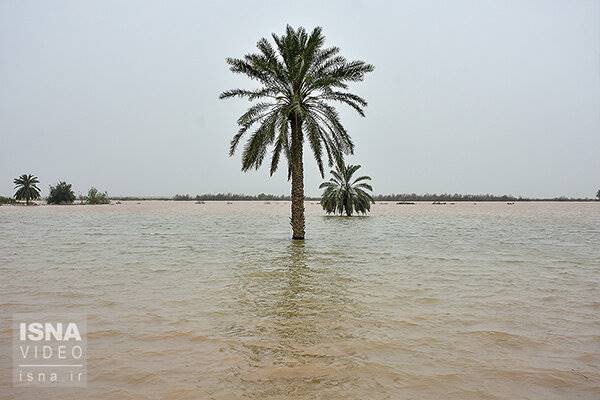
[(298, 78), (26, 188), (342, 194)]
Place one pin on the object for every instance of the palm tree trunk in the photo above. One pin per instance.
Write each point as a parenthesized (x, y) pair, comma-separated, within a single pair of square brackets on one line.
[(297, 166)]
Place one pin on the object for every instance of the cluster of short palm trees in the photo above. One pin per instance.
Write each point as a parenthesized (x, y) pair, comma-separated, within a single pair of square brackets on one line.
[(298, 80), (26, 188)]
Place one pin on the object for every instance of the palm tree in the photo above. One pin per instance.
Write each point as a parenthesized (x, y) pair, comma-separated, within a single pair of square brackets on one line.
[(598, 194), (298, 79), (26, 188), (342, 194)]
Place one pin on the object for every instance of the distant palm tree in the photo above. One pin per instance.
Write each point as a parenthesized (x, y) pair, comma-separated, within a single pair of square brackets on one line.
[(598, 194), (342, 194), (298, 79), (26, 186)]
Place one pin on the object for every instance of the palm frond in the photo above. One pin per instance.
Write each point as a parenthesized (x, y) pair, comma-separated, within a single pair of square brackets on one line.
[(299, 80)]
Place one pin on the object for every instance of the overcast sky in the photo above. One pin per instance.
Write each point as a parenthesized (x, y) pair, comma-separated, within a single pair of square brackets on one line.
[(467, 96)]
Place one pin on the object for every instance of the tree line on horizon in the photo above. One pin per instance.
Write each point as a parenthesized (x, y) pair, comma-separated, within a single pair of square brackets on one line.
[(62, 193), (470, 197), (379, 198)]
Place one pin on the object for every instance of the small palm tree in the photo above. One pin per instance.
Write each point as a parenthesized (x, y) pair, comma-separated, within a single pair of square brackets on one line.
[(298, 80), (342, 194), (598, 194), (26, 188)]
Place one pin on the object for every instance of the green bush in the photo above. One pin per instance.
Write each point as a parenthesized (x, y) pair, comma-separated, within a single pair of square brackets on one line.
[(61, 194), (94, 196), (7, 200)]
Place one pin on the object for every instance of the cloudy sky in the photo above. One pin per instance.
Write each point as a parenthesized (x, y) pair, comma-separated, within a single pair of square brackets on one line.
[(467, 96)]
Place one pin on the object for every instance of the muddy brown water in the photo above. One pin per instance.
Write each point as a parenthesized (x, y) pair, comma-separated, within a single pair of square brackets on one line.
[(213, 301)]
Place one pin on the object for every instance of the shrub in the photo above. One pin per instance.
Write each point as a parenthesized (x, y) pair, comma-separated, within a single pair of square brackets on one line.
[(94, 196), (61, 194), (7, 200)]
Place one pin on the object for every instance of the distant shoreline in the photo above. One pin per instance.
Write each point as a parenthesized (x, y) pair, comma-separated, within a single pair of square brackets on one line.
[(399, 198), (377, 198)]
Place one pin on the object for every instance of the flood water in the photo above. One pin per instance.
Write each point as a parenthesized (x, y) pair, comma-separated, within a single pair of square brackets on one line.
[(214, 301)]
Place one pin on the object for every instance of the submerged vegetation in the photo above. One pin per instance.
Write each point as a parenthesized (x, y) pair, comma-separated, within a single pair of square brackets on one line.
[(7, 200), (345, 195), (298, 80), (229, 197), (61, 194), (467, 197), (94, 196), (242, 197), (397, 197), (182, 197), (26, 188)]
